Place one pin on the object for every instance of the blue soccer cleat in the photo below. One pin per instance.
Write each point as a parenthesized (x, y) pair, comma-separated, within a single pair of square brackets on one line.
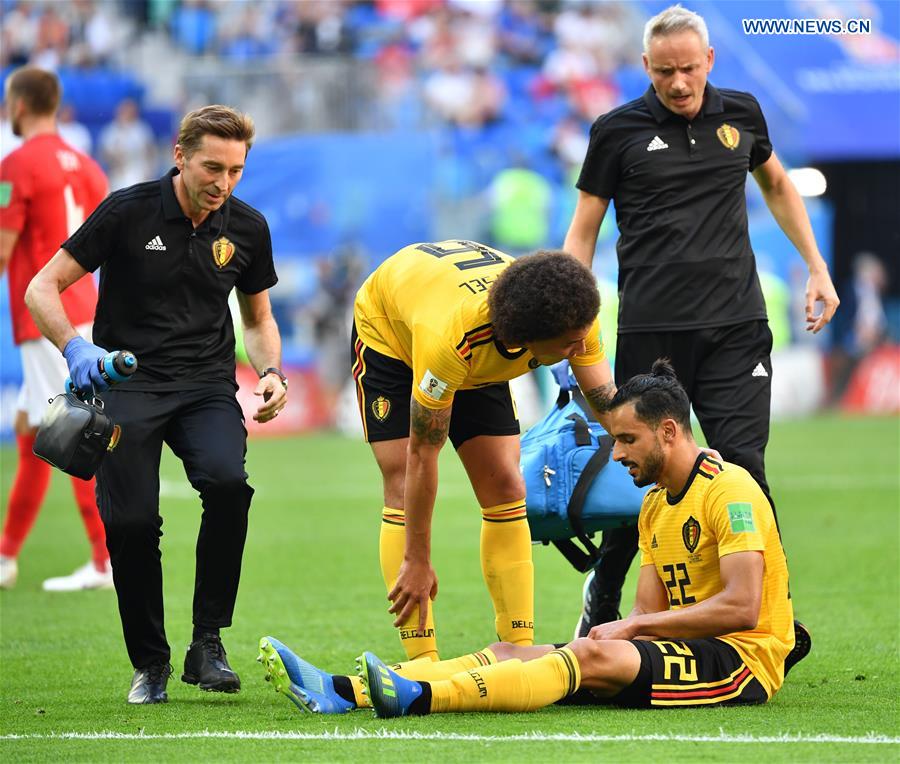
[(391, 694), (307, 687)]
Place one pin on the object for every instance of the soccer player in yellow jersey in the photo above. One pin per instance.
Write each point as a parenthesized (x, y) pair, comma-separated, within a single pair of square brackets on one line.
[(439, 330), (712, 621)]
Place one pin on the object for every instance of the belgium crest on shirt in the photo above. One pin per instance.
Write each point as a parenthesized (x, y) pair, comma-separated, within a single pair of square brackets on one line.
[(690, 534), (222, 251), (729, 136)]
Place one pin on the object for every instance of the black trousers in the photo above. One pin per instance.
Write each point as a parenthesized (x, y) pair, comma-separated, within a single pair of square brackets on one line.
[(721, 370), (205, 429)]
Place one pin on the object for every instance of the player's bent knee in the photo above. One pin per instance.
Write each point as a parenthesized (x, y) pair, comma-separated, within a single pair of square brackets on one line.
[(513, 485), (505, 651), (502, 650), (505, 486), (606, 665), (584, 647), (595, 652), (394, 489)]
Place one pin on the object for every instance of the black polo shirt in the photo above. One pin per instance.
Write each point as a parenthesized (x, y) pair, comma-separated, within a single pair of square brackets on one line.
[(685, 260), (164, 285)]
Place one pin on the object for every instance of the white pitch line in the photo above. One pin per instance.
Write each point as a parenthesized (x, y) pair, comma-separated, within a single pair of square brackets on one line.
[(535, 737)]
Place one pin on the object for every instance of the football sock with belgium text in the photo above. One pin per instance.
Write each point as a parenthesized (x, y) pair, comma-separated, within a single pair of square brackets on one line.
[(392, 544), (508, 570), (423, 670), (509, 686), (434, 671)]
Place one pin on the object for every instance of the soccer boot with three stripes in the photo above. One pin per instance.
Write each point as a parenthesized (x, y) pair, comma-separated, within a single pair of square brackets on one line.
[(307, 687), (391, 694)]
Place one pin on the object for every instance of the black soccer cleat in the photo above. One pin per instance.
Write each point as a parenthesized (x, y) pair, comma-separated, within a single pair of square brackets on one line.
[(599, 607), (149, 684), (801, 648), (206, 666)]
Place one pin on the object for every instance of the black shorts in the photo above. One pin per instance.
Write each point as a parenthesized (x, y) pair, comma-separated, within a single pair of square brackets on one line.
[(384, 390), (676, 673)]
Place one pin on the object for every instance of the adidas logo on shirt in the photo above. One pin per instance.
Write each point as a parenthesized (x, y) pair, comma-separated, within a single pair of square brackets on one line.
[(656, 144), (155, 243), (760, 371)]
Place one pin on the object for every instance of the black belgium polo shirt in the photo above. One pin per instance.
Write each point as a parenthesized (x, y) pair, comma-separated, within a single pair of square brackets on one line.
[(164, 285), (685, 260)]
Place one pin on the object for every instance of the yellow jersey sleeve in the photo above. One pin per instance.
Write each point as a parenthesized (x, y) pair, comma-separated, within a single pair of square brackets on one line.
[(594, 350), (735, 509), (438, 369)]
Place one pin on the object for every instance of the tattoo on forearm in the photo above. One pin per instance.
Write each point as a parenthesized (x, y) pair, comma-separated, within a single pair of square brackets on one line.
[(599, 397), (429, 425)]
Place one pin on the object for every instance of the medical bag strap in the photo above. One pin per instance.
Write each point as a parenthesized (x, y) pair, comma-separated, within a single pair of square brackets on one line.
[(579, 398), (582, 431), (580, 560)]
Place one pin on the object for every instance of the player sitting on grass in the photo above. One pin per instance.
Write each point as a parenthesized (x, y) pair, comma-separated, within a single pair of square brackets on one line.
[(712, 621)]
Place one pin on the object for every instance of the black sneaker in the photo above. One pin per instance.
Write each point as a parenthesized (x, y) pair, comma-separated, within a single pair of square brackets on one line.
[(599, 607), (802, 646), (206, 665), (149, 684)]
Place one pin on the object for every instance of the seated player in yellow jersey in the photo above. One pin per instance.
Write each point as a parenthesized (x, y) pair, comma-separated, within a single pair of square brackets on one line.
[(712, 621), (439, 329)]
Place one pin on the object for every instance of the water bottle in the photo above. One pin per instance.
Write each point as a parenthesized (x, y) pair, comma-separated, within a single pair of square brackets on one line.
[(115, 367)]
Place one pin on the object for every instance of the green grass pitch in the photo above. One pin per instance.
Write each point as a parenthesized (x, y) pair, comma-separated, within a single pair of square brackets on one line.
[(311, 578)]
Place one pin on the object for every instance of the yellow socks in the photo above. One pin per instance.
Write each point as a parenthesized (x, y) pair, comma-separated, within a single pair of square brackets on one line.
[(359, 695), (508, 570), (392, 543), (506, 566), (509, 686), (427, 670), (435, 671)]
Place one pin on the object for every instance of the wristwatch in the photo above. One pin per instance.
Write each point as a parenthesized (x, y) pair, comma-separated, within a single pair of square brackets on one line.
[(277, 372)]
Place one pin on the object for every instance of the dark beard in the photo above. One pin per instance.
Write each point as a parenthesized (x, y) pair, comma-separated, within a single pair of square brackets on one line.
[(652, 468)]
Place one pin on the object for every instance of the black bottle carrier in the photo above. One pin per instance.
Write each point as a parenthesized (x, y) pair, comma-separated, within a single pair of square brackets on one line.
[(75, 435)]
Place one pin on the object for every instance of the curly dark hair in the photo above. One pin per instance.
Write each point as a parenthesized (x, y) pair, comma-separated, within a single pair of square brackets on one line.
[(657, 396), (542, 296)]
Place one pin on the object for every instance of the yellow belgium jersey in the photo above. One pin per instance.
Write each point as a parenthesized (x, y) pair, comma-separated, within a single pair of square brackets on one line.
[(426, 305), (721, 510)]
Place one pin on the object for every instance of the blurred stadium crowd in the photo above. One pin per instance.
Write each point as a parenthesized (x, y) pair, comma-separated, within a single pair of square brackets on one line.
[(504, 92), (549, 65)]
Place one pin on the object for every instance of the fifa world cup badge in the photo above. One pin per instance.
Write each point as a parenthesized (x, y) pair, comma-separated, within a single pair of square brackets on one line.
[(223, 251)]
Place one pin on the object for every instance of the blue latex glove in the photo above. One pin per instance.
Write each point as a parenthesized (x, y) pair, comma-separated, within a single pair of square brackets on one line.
[(83, 358), (562, 375)]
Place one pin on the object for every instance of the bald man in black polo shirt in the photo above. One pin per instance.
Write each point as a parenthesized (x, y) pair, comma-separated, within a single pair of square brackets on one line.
[(170, 251), (675, 161)]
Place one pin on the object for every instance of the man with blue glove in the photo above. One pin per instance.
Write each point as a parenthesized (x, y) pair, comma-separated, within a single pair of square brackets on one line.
[(170, 252), (84, 360)]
